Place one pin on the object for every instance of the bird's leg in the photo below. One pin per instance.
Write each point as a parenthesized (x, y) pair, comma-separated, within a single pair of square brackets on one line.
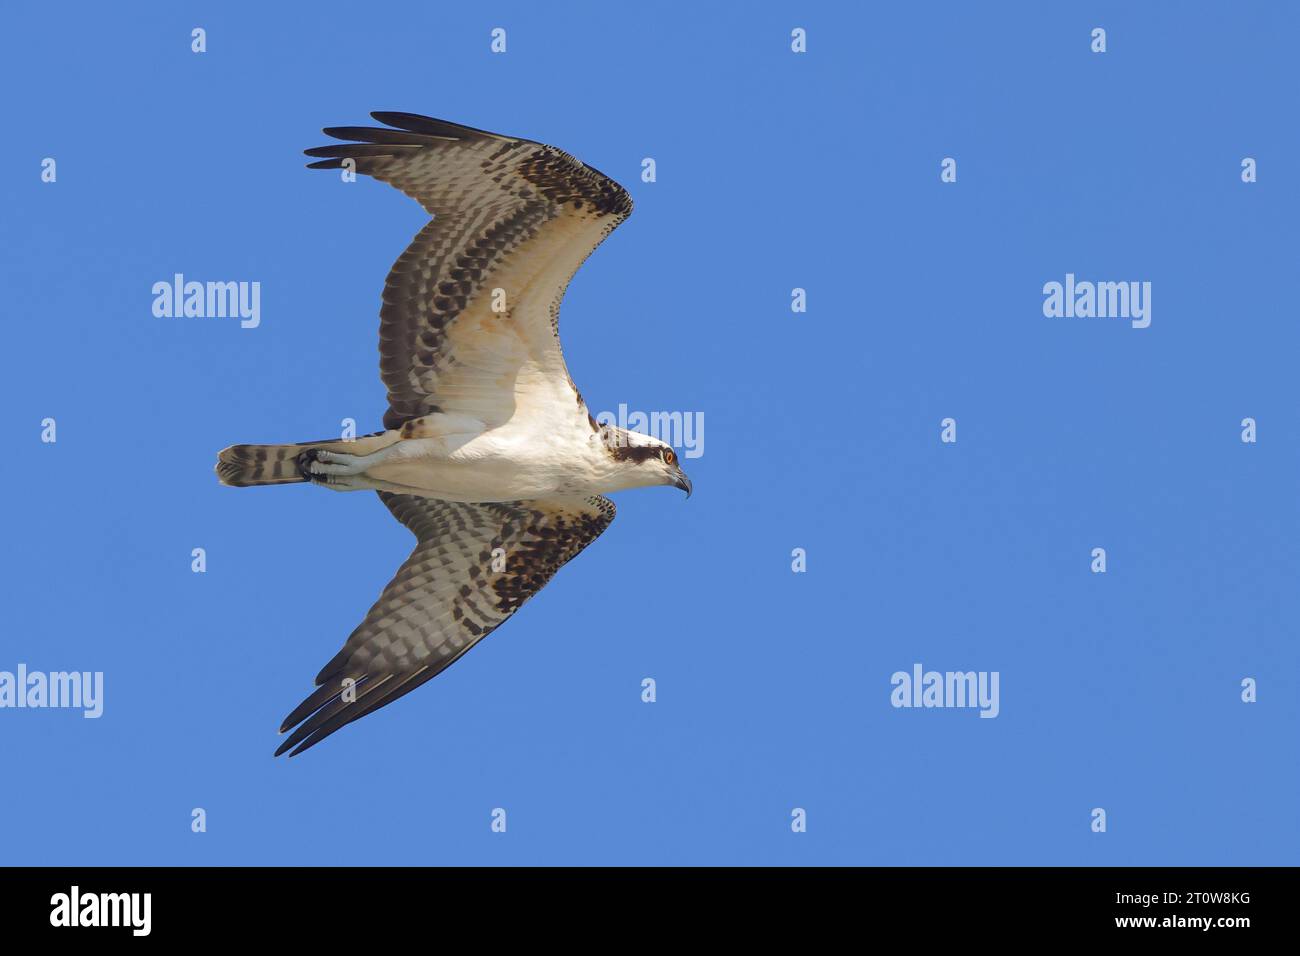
[(434, 435), (343, 482), (325, 467), (322, 461), (363, 483)]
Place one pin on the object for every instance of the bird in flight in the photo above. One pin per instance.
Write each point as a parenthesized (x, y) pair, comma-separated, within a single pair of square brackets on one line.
[(488, 454)]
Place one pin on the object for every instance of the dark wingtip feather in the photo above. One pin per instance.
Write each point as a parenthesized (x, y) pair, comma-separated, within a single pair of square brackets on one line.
[(323, 712), (409, 132), (311, 742), (372, 134), (335, 664), (361, 149), (428, 126), (312, 703)]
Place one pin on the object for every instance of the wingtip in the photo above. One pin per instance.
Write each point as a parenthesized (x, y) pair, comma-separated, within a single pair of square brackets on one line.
[(383, 116), (305, 744), (431, 126)]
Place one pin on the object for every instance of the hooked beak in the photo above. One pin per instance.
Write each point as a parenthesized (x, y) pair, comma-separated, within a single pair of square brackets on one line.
[(682, 482)]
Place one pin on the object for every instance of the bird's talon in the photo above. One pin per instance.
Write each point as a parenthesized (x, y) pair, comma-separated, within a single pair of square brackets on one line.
[(305, 461)]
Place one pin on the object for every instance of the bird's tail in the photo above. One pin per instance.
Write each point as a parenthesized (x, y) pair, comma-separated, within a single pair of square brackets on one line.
[(244, 465)]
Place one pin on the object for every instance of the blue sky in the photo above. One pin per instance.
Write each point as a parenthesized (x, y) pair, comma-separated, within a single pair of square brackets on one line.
[(775, 170)]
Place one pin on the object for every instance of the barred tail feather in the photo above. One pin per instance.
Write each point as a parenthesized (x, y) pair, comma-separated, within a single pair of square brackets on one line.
[(245, 465)]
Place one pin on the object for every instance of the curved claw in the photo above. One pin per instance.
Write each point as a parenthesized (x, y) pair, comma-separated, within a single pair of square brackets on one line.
[(304, 464)]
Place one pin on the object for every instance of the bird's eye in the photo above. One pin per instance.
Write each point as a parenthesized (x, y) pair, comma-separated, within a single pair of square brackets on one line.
[(670, 456)]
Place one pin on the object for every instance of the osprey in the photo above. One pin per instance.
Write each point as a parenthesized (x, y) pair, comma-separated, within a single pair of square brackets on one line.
[(488, 454)]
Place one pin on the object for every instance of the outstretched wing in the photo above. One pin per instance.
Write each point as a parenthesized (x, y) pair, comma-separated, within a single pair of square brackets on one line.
[(472, 567), (470, 314)]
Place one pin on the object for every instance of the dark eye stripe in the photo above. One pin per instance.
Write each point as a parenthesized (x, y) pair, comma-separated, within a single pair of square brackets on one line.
[(636, 453)]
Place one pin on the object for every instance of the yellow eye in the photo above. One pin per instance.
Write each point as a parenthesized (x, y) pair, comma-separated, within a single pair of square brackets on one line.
[(670, 456)]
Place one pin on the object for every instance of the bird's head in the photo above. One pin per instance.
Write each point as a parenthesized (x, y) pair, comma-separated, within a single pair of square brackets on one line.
[(642, 461)]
